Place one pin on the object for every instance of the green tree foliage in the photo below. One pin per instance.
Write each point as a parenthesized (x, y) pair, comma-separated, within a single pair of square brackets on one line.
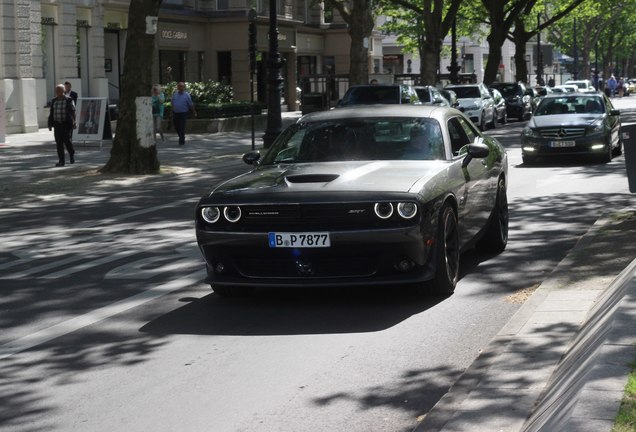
[(421, 25), (359, 16)]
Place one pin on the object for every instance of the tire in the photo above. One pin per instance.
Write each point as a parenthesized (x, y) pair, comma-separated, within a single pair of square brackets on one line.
[(528, 160), (493, 124), (504, 120), (495, 238), (446, 253), (482, 122), (618, 150), (606, 157)]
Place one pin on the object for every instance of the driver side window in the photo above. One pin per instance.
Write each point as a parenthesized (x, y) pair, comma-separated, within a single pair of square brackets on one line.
[(461, 134)]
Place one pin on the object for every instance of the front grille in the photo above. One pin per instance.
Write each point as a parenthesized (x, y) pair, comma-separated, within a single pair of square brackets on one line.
[(311, 217), (563, 133)]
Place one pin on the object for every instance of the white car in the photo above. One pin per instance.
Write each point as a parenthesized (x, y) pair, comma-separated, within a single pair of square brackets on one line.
[(477, 103), (565, 89), (583, 86)]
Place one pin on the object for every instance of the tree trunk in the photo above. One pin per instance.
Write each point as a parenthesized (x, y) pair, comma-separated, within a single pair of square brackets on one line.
[(361, 25), (127, 155), (496, 38), (520, 37)]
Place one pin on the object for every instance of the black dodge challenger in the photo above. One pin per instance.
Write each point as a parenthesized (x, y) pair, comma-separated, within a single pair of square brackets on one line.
[(364, 195)]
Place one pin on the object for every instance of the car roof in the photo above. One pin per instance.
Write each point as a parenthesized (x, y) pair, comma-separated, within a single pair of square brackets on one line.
[(572, 94), (388, 110)]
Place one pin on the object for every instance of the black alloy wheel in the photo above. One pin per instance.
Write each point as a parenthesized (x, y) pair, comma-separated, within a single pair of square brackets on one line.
[(446, 253)]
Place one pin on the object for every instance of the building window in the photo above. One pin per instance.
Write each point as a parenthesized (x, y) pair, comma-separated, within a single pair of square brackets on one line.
[(222, 4), (172, 66), (225, 67)]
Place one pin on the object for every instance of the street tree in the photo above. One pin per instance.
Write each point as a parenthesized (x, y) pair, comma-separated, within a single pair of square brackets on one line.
[(597, 22), (359, 16), (526, 27), (427, 22), (127, 155)]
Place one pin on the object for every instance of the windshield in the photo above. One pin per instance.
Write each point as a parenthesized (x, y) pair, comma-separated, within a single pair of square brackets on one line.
[(571, 105), (374, 94), (358, 140), (466, 92), (508, 90)]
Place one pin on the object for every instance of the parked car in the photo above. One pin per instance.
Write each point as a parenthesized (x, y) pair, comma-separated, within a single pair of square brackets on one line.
[(535, 97), (450, 96), (372, 94), (583, 86), (518, 102), (430, 95), (543, 90), (475, 101), (342, 198), (564, 89), (500, 106), (573, 124)]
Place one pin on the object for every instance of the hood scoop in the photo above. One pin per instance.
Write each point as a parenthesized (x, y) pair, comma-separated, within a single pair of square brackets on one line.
[(311, 178)]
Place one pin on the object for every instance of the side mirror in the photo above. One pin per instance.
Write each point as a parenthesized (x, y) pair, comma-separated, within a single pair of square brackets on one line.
[(615, 112), (476, 150), (252, 158)]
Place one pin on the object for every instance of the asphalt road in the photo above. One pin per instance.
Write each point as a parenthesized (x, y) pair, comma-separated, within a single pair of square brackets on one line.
[(108, 325)]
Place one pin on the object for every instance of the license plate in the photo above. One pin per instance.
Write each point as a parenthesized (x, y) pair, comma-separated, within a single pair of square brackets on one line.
[(299, 239), (563, 144)]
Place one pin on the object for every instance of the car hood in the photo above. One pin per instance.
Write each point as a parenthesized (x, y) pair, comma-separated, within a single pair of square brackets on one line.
[(564, 120), (368, 176), (466, 102)]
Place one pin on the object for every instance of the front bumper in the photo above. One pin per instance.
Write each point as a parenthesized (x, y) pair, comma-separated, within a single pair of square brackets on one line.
[(589, 145), (361, 257)]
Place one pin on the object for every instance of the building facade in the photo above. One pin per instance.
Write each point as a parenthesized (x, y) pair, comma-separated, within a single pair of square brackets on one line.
[(47, 42)]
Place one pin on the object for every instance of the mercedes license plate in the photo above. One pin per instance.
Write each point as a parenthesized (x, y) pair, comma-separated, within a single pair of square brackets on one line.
[(299, 240), (562, 143)]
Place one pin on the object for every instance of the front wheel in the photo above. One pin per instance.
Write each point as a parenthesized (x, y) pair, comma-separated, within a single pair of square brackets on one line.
[(495, 238), (446, 253)]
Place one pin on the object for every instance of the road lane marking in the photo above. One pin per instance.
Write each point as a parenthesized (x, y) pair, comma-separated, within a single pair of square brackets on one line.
[(45, 335)]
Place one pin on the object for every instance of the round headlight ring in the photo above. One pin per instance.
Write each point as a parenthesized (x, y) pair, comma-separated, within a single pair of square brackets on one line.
[(210, 214), (232, 213), (383, 210), (407, 210)]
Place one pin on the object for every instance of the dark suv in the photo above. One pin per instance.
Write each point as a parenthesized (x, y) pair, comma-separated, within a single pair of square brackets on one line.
[(518, 101), (371, 94)]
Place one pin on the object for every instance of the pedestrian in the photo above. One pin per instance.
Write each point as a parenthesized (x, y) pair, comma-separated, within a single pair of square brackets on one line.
[(551, 82), (181, 106), (620, 87), (62, 122), (158, 98), (611, 86), (68, 91)]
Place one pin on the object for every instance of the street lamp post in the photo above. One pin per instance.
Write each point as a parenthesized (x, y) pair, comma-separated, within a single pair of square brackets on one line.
[(454, 67), (274, 81), (596, 64), (575, 71), (539, 56)]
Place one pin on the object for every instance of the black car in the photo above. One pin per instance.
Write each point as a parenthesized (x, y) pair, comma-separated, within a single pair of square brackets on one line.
[(372, 94), (518, 102), (573, 124), (360, 196)]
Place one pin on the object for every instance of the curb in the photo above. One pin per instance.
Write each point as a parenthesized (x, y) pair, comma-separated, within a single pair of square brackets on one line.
[(529, 377)]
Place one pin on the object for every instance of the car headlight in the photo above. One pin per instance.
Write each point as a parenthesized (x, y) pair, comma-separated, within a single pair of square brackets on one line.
[(407, 210), (383, 210), (472, 107), (530, 133), (210, 214), (232, 213), (597, 126)]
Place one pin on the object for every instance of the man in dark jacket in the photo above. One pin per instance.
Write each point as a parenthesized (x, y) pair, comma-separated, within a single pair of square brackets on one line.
[(68, 91), (62, 121)]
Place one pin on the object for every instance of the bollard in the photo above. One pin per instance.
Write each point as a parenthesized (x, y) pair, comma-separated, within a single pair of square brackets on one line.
[(628, 132)]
